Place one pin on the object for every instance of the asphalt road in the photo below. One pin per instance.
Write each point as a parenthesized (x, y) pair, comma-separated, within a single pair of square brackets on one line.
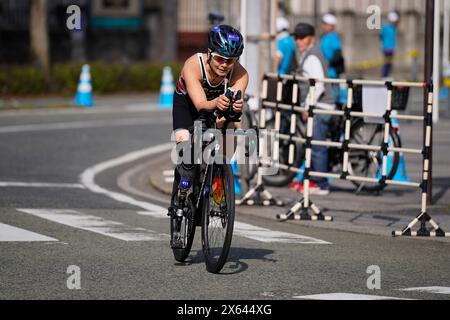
[(58, 224)]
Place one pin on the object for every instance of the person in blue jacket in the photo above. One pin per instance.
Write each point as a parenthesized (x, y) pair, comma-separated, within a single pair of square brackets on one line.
[(388, 37), (331, 47), (286, 49)]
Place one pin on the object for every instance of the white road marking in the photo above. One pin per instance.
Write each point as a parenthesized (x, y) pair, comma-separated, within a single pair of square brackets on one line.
[(152, 214), (169, 179), (82, 124), (267, 235), (241, 229), (13, 234), (436, 289), (99, 109), (41, 185), (345, 296), (88, 178), (168, 173), (98, 225)]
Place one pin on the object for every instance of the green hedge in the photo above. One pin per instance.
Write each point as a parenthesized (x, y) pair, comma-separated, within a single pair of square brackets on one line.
[(63, 78)]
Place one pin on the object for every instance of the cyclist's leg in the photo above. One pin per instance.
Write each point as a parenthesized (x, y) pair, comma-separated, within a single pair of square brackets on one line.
[(185, 169), (183, 117)]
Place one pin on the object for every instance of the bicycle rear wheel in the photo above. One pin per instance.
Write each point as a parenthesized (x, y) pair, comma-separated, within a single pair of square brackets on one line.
[(368, 163), (218, 216)]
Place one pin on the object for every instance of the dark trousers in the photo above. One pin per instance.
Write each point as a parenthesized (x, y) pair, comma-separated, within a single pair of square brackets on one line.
[(319, 160), (387, 67)]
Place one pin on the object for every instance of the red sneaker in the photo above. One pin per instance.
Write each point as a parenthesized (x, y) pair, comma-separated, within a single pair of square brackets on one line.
[(315, 189), (295, 185)]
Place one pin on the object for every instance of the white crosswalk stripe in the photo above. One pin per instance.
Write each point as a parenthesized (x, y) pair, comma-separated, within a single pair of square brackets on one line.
[(435, 289), (124, 232), (345, 296), (266, 235), (13, 234), (98, 225)]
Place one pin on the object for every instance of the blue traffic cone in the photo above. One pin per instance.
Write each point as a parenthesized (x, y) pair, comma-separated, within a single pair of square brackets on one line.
[(237, 183), (167, 88), (299, 175), (84, 91), (400, 173)]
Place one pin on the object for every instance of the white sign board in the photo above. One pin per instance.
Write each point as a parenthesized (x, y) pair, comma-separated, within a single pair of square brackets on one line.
[(374, 99)]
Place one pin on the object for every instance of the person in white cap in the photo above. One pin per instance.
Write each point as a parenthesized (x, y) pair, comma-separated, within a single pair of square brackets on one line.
[(388, 38), (331, 47), (286, 48)]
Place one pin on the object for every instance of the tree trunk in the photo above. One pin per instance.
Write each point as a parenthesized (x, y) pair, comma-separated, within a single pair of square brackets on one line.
[(39, 34), (169, 30)]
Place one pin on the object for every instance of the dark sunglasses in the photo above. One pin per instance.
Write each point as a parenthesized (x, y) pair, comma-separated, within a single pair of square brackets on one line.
[(221, 60)]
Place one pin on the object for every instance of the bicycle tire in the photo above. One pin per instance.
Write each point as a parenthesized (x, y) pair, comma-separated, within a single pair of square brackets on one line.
[(180, 254), (284, 177), (216, 252), (394, 137)]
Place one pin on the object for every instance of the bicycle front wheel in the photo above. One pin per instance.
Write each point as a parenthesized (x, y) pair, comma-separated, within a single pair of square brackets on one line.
[(218, 216), (182, 229)]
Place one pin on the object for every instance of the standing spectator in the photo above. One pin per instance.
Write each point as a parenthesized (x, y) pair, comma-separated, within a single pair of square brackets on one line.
[(331, 46), (286, 49), (312, 64), (388, 38)]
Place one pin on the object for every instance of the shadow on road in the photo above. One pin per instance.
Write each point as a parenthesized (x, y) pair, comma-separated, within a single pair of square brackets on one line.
[(234, 265)]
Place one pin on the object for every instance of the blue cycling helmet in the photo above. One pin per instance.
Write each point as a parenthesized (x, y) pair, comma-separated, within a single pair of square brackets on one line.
[(226, 41)]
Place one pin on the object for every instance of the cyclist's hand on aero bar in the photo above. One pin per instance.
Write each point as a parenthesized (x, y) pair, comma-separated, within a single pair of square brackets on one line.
[(222, 102), (238, 104)]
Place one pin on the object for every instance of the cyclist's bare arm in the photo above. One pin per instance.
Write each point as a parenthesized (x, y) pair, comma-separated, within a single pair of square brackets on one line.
[(193, 77)]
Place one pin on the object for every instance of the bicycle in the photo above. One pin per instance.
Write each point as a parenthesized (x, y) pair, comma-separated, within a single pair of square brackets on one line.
[(208, 201)]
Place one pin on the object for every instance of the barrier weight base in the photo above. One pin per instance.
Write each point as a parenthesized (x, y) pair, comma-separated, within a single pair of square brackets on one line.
[(300, 212), (423, 218), (259, 196)]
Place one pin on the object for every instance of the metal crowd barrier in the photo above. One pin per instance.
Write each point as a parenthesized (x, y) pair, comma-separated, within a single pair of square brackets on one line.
[(305, 203)]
